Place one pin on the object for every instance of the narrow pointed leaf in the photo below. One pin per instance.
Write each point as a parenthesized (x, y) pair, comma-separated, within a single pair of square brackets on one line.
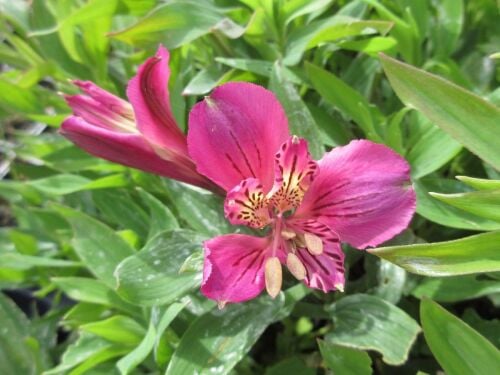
[(467, 255), (471, 120), (481, 203), (458, 348)]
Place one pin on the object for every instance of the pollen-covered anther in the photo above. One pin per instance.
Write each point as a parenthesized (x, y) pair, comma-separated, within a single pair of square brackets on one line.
[(288, 234), (313, 243), (295, 266), (273, 276)]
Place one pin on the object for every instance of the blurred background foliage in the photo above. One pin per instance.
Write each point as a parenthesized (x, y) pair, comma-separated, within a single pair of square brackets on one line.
[(100, 264)]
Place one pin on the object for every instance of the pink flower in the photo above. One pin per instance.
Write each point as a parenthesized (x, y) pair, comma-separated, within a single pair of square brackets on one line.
[(141, 134), (238, 141), (360, 193)]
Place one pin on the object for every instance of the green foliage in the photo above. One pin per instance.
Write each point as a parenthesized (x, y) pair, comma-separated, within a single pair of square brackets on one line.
[(110, 258)]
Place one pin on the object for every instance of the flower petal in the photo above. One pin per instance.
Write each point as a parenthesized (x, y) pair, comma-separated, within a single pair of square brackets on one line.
[(324, 271), (363, 192), (234, 134), (148, 93), (96, 113), (234, 267), (294, 171), (128, 149), (106, 99), (246, 204)]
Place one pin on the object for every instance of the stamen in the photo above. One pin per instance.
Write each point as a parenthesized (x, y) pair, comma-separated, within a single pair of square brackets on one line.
[(288, 234), (273, 276), (295, 266), (339, 287), (313, 243), (221, 304)]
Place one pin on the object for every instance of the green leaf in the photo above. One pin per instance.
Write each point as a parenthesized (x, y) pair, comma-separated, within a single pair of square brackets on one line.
[(151, 277), (455, 288), (446, 31), (18, 354), (161, 218), (260, 67), (216, 341), (344, 360), (444, 214), (293, 365), (433, 149), (25, 262), (458, 348), (136, 356), (162, 322), (84, 348), (350, 102), (118, 328), (300, 119), (173, 24), (102, 251), (92, 291), (480, 183), (201, 210), (481, 203), (467, 255), (329, 30), (19, 100), (469, 119), (118, 207), (63, 184), (367, 322), (370, 45)]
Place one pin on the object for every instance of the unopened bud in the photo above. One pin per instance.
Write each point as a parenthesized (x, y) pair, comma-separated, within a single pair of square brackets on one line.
[(295, 266), (313, 243), (273, 276)]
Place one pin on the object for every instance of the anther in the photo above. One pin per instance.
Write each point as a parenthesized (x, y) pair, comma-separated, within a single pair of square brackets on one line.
[(273, 276), (295, 266), (288, 234), (313, 243)]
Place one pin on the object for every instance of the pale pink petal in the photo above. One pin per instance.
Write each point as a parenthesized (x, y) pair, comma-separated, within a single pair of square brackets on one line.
[(234, 267), (129, 149), (149, 96), (234, 134), (246, 204), (294, 171), (363, 192)]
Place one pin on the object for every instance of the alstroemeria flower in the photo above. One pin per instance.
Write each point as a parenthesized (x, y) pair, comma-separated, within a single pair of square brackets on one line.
[(142, 134), (360, 194)]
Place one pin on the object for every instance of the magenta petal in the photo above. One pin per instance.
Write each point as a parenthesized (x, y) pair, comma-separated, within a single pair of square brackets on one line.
[(96, 113), (324, 271), (363, 192), (149, 96), (234, 134), (106, 99), (129, 149), (234, 267)]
